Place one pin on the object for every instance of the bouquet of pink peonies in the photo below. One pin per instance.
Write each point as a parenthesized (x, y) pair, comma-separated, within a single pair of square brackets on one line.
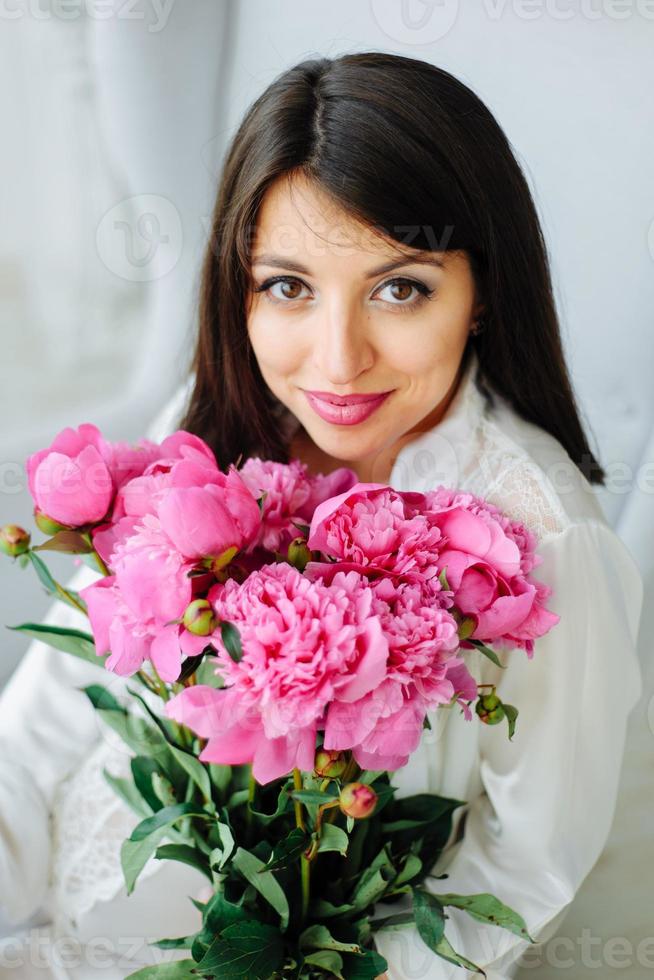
[(290, 634)]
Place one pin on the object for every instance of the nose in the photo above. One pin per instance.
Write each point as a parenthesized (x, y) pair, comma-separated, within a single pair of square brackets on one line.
[(342, 349)]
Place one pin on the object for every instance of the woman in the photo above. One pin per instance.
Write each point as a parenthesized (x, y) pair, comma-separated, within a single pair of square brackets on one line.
[(376, 293)]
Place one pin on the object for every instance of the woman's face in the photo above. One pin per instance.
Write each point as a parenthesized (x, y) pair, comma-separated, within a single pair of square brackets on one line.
[(324, 316)]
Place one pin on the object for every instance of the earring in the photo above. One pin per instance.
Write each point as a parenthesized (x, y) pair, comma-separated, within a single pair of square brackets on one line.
[(477, 327)]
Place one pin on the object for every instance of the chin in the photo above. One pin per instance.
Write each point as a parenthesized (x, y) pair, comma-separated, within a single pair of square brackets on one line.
[(345, 444)]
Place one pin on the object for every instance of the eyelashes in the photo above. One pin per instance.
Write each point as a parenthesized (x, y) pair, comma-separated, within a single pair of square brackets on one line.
[(424, 292)]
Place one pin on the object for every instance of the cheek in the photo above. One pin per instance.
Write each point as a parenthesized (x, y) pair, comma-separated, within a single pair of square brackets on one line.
[(279, 350), (413, 352), (431, 344)]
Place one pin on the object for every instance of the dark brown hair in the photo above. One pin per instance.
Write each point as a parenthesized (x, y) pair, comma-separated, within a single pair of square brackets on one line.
[(409, 150)]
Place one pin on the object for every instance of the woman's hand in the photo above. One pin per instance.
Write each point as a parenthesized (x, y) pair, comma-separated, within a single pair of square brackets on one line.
[(382, 976)]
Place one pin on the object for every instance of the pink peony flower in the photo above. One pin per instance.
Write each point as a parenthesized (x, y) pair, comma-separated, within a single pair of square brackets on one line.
[(117, 631), (384, 727), (207, 520), (304, 645), (70, 482), (291, 494), (182, 460), (370, 528)]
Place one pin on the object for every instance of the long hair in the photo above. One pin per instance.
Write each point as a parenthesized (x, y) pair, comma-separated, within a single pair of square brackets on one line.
[(411, 151)]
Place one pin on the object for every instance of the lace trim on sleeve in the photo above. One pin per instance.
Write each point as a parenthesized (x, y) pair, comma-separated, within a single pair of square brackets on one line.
[(511, 480)]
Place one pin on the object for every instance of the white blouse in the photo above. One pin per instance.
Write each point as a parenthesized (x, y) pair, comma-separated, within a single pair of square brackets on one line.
[(538, 809)]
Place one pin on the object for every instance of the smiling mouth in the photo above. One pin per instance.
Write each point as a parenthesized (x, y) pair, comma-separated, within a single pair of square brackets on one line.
[(342, 400), (345, 409)]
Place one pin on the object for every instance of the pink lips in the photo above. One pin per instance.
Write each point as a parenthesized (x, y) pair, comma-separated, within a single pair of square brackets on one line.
[(344, 409)]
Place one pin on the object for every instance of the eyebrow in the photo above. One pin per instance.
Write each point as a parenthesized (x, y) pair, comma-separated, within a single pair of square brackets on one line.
[(282, 262)]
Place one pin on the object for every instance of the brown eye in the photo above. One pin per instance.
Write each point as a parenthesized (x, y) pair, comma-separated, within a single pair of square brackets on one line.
[(290, 288), (405, 294), (401, 290)]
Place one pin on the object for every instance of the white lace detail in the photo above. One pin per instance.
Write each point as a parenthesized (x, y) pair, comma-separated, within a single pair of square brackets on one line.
[(507, 477), (89, 824)]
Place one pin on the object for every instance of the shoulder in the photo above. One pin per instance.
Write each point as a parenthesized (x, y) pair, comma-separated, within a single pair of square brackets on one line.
[(526, 472)]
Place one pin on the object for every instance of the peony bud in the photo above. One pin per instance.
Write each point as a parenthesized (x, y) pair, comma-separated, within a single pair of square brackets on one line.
[(357, 800), (14, 540), (329, 764), (47, 525), (199, 617), (298, 554), (489, 708)]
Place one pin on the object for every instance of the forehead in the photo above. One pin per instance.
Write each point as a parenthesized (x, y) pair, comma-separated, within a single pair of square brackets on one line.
[(297, 218)]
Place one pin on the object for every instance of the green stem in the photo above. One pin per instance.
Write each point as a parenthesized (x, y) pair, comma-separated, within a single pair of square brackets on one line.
[(98, 560), (162, 690), (305, 865), (101, 565), (66, 596), (248, 812)]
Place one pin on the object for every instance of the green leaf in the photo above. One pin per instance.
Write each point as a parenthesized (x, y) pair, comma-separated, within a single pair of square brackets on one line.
[(126, 789), (333, 838), (231, 638), (143, 768), (369, 776), (511, 715), (195, 769), (42, 572), (220, 855), (327, 960), (312, 796), (159, 722), (183, 942), (135, 854), (175, 970), (185, 854), (366, 967), (70, 542), (487, 652), (68, 640), (288, 850), (68, 596), (103, 700), (220, 913), (265, 882), (445, 950), (322, 909), (283, 805), (319, 937), (250, 949), (372, 886), (442, 578), (141, 738), (393, 921), (421, 810), (488, 908), (430, 917), (412, 867), (163, 790), (166, 817)]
